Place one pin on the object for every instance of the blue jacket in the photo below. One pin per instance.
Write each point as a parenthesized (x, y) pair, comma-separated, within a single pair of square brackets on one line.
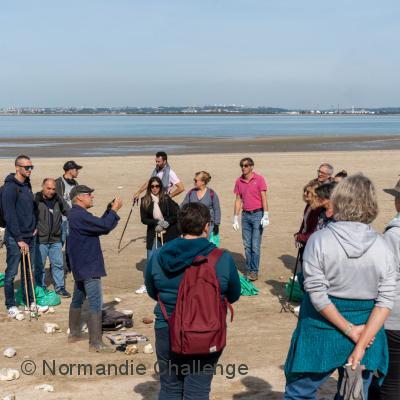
[(19, 210), (83, 244), (166, 267)]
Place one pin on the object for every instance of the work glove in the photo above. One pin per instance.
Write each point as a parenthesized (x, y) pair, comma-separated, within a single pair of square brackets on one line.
[(163, 223), (264, 220), (298, 245), (235, 224), (216, 229), (159, 228)]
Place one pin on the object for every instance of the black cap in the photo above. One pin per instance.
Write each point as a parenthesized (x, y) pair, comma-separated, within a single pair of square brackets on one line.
[(79, 189), (71, 165)]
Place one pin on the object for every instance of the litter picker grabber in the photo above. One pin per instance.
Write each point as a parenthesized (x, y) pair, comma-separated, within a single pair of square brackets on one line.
[(286, 306), (136, 201), (26, 255)]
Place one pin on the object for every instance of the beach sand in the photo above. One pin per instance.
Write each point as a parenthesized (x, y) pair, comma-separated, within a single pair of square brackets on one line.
[(259, 335)]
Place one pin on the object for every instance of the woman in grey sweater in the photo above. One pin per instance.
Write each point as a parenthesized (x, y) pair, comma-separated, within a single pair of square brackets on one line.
[(204, 195), (350, 284)]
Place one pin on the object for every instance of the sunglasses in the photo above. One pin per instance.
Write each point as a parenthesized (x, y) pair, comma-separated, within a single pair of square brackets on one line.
[(155, 186), (244, 165), (26, 167)]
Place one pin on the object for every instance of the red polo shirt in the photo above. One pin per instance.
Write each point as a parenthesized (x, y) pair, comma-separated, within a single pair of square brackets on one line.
[(250, 191)]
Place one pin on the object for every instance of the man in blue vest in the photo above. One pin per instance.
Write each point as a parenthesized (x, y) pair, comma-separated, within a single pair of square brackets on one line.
[(87, 263)]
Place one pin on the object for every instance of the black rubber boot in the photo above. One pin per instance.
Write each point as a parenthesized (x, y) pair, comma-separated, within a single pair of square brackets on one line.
[(75, 334), (95, 334)]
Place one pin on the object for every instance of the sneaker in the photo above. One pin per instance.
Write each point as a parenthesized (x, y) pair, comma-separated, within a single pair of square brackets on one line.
[(252, 276), (63, 293), (39, 309), (141, 290), (13, 312)]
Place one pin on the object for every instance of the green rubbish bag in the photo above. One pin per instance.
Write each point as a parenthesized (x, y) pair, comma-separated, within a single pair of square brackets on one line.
[(297, 294), (247, 287), (215, 239), (44, 297), (2, 279)]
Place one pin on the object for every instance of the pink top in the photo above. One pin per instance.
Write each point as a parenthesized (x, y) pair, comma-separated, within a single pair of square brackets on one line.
[(250, 192)]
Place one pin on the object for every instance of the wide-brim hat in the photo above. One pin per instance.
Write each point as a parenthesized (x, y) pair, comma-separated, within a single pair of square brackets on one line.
[(394, 191)]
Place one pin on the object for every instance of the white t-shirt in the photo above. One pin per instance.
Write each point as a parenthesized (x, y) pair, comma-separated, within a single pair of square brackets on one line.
[(173, 179)]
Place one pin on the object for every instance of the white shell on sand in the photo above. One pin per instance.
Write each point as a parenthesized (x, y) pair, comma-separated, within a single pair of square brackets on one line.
[(50, 327), (51, 310), (10, 352), (120, 187), (117, 300), (45, 387), (131, 349), (8, 374), (20, 317), (148, 349), (8, 397)]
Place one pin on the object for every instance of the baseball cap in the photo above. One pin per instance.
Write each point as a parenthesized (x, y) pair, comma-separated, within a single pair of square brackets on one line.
[(71, 165), (80, 189), (395, 191)]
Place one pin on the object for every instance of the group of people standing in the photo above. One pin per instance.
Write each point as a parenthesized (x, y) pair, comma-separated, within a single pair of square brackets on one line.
[(349, 318)]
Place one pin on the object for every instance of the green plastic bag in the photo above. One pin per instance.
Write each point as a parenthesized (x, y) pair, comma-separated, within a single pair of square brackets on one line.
[(2, 279), (246, 287), (215, 239), (44, 297), (297, 294)]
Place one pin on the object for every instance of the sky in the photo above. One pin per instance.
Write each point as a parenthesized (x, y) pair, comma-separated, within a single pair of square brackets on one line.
[(292, 54)]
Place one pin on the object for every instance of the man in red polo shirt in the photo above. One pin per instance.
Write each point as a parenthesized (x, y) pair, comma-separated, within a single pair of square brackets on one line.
[(251, 194)]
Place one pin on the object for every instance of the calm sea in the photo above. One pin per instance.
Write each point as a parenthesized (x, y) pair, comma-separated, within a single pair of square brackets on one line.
[(196, 126)]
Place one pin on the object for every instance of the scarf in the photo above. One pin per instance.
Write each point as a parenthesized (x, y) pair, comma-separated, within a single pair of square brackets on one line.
[(165, 177), (157, 214)]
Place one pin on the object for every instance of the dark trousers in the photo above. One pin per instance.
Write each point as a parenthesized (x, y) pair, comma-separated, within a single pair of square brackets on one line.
[(390, 389), (183, 377), (14, 260)]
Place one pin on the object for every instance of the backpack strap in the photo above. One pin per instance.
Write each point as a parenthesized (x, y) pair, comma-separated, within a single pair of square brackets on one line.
[(163, 310), (213, 258), (190, 193), (212, 195)]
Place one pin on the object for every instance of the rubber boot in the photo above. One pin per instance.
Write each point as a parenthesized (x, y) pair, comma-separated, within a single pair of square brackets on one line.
[(75, 334), (95, 334)]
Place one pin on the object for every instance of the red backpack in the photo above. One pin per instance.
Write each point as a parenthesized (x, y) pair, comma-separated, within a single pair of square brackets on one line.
[(198, 324)]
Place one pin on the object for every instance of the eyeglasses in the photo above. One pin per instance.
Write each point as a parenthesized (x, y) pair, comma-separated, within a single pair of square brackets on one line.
[(155, 186), (322, 172), (26, 167), (244, 165)]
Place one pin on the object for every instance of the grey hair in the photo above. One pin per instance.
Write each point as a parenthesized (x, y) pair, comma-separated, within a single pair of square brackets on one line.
[(328, 167), (354, 199)]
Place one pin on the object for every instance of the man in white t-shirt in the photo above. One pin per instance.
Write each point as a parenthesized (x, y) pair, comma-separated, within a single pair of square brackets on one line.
[(170, 180)]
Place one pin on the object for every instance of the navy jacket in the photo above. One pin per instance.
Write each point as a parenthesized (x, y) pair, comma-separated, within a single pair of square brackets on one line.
[(83, 244), (19, 209)]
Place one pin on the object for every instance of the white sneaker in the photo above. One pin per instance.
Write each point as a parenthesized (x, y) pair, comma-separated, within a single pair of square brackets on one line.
[(34, 307), (13, 312), (141, 290)]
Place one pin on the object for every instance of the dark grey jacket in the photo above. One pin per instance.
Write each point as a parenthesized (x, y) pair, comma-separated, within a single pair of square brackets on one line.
[(49, 233)]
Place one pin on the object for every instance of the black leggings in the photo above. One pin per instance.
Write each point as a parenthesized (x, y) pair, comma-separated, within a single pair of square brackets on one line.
[(390, 389)]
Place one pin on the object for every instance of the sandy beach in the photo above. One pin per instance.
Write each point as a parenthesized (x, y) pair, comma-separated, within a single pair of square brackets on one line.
[(259, 335)]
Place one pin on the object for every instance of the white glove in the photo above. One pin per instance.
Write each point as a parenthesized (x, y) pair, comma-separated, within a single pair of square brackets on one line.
[(235, 224), (264, 220)]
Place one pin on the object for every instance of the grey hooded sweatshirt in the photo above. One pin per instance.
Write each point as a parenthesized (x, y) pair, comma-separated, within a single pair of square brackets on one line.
[(349, 260), (392, 238)]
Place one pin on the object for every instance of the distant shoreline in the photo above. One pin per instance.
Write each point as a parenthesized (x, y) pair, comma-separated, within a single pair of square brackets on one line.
[(123, 146)]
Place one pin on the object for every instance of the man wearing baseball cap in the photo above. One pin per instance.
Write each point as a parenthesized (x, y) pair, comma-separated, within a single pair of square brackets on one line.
[(66, 182), (87, 263)]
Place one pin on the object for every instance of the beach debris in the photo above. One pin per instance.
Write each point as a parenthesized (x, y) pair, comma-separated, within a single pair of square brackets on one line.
[(126, 338), (148, 349), (20, 317), (120, 187), (10, 352), (51, 327), (129, 313), (117, 300), (45, 387), (84, 328), (51, 310), (131, 349), (147, 320), (296, 310), (8, 397), (8, 374), (68, 331)]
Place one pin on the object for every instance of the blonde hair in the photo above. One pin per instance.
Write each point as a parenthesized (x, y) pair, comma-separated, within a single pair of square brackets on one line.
[(311, 186), (354, 199), (204, 176)]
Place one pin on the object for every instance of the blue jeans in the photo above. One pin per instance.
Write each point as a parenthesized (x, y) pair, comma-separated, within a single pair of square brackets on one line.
[(252, 234), (306, 387), (90, 289), (54, 252), (180, 376), (13, 261)]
